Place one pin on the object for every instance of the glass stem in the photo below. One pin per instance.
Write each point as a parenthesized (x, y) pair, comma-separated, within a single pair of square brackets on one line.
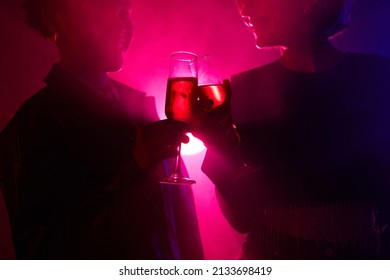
[(177, 161)]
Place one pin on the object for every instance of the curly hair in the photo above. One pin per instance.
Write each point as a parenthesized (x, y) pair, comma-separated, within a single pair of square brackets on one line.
[(40, 15)]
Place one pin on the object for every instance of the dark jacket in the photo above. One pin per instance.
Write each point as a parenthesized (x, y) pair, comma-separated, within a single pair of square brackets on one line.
[(314, 141), (72, 187)]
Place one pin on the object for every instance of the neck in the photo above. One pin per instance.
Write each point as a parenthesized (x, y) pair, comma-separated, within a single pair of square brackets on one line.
[(95, 78), (312, 56)]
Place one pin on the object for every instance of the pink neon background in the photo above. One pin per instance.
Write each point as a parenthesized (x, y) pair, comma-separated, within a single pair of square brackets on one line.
[(161, 27)]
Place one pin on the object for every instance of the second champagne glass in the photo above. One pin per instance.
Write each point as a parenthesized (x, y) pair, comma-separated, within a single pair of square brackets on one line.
[(211, 90), (213, 94), (180, 101)]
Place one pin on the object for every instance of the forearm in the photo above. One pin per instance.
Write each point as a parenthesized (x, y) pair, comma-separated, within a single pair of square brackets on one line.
[(235, 188)]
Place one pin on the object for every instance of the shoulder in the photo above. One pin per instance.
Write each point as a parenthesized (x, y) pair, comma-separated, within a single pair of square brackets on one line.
[(32, 115), (37, 114), (368, 58), (126, 90), (256, 73), (260, 81), (367, 73), (40, 101), (255, 93), (370, 62)]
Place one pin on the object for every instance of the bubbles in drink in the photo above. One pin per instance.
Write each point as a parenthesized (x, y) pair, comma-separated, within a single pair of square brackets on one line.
[(180, 99)]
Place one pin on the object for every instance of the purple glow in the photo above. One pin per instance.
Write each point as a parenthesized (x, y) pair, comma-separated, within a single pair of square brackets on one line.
[(162, 27), (202, 27)]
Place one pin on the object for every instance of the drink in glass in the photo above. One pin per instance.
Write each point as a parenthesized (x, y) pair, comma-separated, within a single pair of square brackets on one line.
[(180, 101)]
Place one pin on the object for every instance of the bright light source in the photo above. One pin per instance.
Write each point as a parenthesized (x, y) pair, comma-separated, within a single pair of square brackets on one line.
[(193, 147)]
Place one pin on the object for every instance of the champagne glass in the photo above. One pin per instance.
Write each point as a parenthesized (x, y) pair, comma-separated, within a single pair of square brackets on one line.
[(211, 92), (180, 101)]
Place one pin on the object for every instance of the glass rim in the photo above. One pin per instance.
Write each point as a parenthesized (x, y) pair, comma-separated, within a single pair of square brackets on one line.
[(176, 53)]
